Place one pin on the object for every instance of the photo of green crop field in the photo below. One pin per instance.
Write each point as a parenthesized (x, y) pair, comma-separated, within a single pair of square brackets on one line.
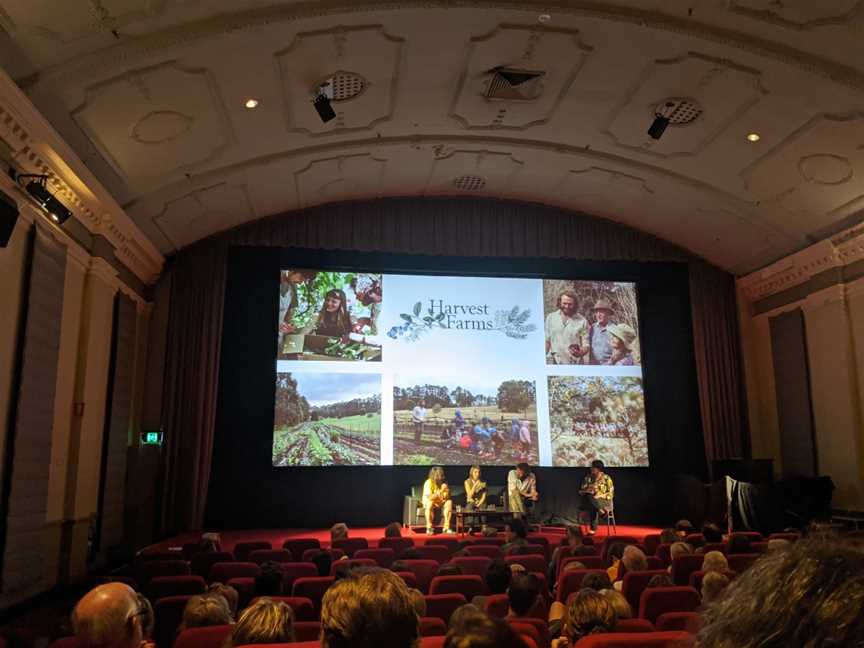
[(311, 430)]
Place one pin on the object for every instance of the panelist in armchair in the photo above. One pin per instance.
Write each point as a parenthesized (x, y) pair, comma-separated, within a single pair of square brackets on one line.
[(597, 493), (436, 495)]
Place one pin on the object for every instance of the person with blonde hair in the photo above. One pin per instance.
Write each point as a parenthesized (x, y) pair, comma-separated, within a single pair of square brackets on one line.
[(339, 531), (265, 621), (619, 603), (232, 598), (678, 549), (206, 610), (370, 608), (713, 584), (715, 561), (588, 612), (436, 495)]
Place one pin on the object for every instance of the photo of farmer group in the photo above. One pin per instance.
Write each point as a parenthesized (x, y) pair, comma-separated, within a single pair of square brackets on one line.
[(329, 315), (591, 323)]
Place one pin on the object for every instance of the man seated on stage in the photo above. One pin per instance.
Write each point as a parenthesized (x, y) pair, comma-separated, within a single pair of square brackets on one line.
[(521, 487), (436, 495), (597, 493)]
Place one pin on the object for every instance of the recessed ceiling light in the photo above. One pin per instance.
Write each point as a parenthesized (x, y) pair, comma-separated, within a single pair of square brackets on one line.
[(544, 18), (251, 103), (753, 137)]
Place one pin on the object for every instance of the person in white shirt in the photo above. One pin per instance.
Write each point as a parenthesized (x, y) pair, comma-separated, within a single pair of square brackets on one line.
[(521, 486), (566, 332), (418, 418)]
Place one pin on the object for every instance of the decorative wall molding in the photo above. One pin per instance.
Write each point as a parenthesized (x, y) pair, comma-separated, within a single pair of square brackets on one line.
[(800, 16)]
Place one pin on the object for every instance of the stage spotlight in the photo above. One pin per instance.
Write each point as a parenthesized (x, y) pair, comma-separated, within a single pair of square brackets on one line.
[(661, 119), (57, 211), (321, 101)]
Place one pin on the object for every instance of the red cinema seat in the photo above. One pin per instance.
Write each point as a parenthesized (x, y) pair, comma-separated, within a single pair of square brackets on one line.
[(382, 557), (468, 586), (636, 640), (472, 564), (424, 571), (752, 536), (531, 550), (304, 609), (526, 631), (682, 621), (297, 546), (312, 588), (155, 568), (351, 563), (543, 541), (335, 554), (571, 581), (740, 563), (498, 542), (443, 606), (163, 586), (209, 637), (202, 562), (635, 583), (67, 642), (223, 572), (190, 549), (684, 565), (433, 642), (634, 625), (497, 605), (398, 545), (432, 627), (713, 546), (308, 631), (245, 587), (154, 554), (791, 537), (350, 545), (291, 571), (608, 541), (531, 562), (452, 544), (657, 600), (695, 540), (483, 550), (654, 563), (590, 562), (409, 578), (260, 556), (168, 613), (664, 553), (243, 549), (651, 542), (438, 553)]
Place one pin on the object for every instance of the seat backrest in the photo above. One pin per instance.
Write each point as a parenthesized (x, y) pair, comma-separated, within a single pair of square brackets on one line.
[(312, 588), (335, 554), (488, 551), (222, 572), (590, 562), (351, 563), (752, 536), (651, 542), (531, 562), (245, 586), (452, 544), (432, 627), (468, 586), (168, 613), (791, 537), (714, 546), (307, 631), (685, 564), (382, 557), (657, 600), (162, 586), (739, 563), (304, 609), (202, 562), (424, 571), (298, 545), (695, 540), (443, 605), (634, 625), (291, 571), (154, 554), (636, 640), (209, 637), (664, 553), (571, 581), (524, 628), (535, 548), (409, 578), (243, 549), (683, 621), (398, 545), (438, 553), (67, 642), (497, 605), (635, 583), (472, 564), (608, 541), (498, 542), (655, 563), (154, 568), (260, 556), (350, 545)]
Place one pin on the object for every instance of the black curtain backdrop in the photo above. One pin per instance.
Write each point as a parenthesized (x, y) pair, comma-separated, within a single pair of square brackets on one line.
[(247, 491), (478, 230)]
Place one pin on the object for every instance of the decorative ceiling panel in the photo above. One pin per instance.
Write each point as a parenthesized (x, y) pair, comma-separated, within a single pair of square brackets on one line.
[(339, 178)]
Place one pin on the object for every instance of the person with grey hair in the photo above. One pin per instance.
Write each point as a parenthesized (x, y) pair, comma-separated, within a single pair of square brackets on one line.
[(713, 585), (109, 616), (715, 561), (339, 531), (633, 560)]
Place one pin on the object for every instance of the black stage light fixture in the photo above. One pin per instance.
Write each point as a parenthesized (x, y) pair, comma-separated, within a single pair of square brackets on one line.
[(37, 188), (321, 101), (661, 120)]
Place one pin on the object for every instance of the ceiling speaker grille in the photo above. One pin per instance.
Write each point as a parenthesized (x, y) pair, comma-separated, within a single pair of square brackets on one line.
[(685, 111), (469, 182), (347, 85), (511, 84)]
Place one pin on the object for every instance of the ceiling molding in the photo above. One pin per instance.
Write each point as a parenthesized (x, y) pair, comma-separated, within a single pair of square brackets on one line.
[(823, 12)]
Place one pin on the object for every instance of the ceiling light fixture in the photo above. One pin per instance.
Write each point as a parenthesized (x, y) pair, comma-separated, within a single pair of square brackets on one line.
[(321, 98), (753, 137), (38, 190), (251, 103), (544, 18)]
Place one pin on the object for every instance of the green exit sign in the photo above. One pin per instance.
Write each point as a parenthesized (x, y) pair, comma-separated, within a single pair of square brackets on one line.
[(151, 438)]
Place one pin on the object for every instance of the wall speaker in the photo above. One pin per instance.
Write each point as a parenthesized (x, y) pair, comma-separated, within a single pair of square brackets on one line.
[(8, 218)]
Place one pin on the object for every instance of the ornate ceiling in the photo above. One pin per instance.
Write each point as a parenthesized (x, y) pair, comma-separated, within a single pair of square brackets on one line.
[(150, 94)]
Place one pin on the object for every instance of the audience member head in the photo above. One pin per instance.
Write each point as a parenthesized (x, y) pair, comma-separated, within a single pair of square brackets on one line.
[(583, 550), (684, 528), (418, 600), (498, 577), (778, 544), (516, 568), (661, 580), (574, 535), (616, 552), (323, 562), (808, 595), (464, 615), (711, 532), (738, 544), (449, 570), (515, 529), (264, 621), (588, 612), (715, 561), (668, 536), (372, 607), (713, 584), (210, 542), (522, 593), (679, 549), (596, 581), (268, 582), (338, 531), (393, 530), (232, 598), (488, 531), (618, 602), (109, 616), (206, 610), (481, 631), (634, 559), (572, 565)]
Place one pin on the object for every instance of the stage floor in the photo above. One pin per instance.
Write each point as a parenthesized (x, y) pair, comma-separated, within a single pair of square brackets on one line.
[(277, 536)]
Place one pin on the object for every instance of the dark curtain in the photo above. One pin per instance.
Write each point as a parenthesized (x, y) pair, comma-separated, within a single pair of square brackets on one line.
[(436, 226)]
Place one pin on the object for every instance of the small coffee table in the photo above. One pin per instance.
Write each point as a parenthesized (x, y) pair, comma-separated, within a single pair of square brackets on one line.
[(490, 514)]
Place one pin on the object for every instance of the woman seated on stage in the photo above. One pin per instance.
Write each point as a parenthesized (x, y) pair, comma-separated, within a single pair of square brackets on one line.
[(597, 492), (333, 320), (475, 490), (436, 495)]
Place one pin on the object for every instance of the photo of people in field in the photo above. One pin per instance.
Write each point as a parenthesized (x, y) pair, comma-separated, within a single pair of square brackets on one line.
[(313, 429), (594, 417), (591, 323), (329, 315), (455, 424)]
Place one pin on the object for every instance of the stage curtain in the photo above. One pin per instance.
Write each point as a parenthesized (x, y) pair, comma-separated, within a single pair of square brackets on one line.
[(436, 226)]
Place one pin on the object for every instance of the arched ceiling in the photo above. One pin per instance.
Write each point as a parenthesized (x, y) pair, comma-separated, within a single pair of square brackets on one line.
[(151, 93)]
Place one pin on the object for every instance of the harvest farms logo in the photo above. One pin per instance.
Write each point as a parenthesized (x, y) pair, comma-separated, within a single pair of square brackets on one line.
[(463, 317)]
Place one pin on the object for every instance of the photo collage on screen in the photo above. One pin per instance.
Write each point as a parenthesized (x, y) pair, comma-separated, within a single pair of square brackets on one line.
[(385, 369)]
